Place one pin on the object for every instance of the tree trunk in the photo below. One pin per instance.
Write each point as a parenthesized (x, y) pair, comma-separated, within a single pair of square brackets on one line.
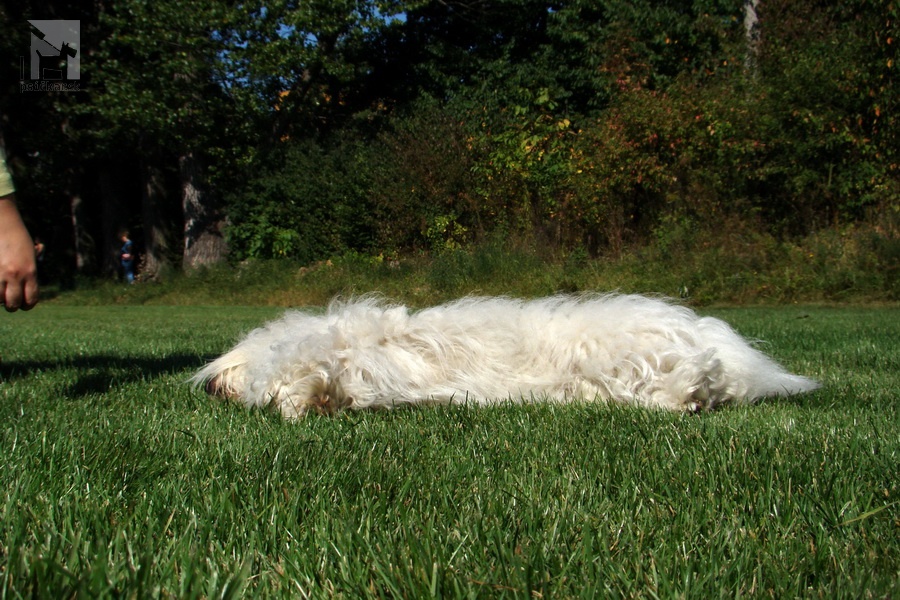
[(751, 32), (113, 221), (204, 242), (155, 243), (82, 241)]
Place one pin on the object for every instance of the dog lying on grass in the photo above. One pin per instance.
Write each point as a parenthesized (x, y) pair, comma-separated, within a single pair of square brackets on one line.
[(366, 353)]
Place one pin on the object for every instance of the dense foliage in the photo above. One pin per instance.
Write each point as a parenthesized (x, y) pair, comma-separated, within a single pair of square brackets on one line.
[(313, 129)]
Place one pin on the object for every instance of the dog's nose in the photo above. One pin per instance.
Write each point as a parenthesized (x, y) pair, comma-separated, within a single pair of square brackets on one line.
[(214, 386)]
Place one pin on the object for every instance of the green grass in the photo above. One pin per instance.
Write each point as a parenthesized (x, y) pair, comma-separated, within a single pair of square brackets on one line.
[(119, 480)]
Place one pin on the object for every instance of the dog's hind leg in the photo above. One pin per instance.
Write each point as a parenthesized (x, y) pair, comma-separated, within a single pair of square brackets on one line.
[(669, 381), (688, 384)]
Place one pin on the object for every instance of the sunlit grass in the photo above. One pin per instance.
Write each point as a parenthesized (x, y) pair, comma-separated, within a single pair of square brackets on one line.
[(119, 480)]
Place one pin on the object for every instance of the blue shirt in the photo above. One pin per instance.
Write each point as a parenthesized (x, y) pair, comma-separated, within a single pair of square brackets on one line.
[(127, 248)]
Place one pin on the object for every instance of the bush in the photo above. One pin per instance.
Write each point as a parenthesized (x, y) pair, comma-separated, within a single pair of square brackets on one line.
[(421, 192), (307, 202), (691, 134)]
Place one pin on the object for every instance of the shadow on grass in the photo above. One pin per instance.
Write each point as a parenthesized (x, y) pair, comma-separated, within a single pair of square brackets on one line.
[(101, 373)]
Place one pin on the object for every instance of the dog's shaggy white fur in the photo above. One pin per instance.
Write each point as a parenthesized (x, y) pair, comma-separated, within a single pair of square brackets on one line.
[(370, 354)]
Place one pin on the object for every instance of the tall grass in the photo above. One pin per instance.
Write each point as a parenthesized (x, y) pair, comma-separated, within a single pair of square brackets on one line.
[(119, 480), (860, 263)]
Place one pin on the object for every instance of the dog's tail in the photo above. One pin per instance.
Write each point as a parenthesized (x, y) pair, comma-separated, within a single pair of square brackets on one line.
[(751, 374), (782, 384)]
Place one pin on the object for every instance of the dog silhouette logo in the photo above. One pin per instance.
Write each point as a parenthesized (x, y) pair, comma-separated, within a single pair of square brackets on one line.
[(55, 53)]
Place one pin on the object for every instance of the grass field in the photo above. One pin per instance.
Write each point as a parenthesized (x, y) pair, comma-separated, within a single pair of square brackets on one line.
[(117, 480)]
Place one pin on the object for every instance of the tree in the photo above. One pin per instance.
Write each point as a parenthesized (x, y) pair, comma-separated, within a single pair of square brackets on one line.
[(157, 94), (305, 65), (42, 129), (751, 30)]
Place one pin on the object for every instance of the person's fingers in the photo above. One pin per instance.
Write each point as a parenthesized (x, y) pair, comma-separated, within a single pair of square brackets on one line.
[(32, 294), (12, 296)]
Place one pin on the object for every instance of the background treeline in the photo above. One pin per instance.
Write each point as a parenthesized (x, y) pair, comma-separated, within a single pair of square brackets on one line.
[(223, 131)]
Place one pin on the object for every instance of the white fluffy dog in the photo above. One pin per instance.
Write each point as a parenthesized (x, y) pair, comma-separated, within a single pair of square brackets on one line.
[(369, 354)]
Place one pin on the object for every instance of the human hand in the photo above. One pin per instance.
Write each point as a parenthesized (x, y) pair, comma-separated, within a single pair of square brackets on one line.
[(18, 269)]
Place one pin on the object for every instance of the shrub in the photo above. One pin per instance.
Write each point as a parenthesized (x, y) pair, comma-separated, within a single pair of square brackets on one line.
[(421, 189), (307, 202)]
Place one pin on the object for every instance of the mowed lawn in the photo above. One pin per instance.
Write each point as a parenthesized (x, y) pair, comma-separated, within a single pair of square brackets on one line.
[(118, 480)]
